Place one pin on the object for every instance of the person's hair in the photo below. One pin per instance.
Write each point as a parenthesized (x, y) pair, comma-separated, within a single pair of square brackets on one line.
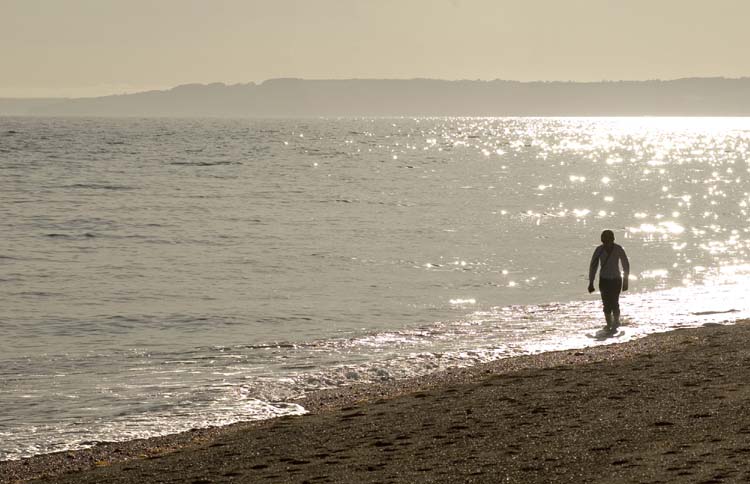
[(608, 235)]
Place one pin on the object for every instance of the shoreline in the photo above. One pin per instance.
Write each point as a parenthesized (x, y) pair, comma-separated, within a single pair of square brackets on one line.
[(353, 419)]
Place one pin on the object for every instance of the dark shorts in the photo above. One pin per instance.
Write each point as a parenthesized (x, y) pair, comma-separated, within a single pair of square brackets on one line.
[(610, 290)]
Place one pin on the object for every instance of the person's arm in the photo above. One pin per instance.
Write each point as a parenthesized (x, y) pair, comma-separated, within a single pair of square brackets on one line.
[(592, 268), (625, 269)]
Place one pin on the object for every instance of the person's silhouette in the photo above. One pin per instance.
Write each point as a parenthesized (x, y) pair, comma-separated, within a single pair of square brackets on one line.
[(609, 255)]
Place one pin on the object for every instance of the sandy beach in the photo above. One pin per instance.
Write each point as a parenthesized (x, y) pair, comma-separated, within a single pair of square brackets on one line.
[(671, 407)]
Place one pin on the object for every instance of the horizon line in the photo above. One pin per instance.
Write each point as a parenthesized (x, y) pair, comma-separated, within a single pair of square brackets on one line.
[(379, 79)]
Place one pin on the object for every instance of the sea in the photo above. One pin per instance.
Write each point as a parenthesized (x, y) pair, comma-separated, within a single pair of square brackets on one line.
[(159, 275)]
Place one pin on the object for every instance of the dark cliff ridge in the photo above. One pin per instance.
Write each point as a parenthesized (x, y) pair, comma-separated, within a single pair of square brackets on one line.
[(413, 97)]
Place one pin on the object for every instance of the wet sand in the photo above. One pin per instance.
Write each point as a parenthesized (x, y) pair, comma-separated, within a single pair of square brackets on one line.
[(671, 407)]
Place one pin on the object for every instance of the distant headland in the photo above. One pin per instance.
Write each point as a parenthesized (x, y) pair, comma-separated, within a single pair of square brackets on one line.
[(290, 97)]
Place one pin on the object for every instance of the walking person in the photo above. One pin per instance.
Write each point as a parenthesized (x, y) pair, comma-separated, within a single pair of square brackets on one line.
[(610, 256)]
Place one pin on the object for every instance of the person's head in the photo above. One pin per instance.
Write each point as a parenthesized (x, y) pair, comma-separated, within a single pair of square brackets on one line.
[(608, 237)]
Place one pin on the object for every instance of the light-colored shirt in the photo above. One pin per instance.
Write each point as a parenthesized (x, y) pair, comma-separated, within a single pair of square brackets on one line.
[(610, 263)]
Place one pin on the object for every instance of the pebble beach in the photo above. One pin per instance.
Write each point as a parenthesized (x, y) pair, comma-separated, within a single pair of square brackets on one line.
[(670, 407)]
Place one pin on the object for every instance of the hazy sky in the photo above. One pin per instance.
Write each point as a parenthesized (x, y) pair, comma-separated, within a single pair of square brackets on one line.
[(95, 47)]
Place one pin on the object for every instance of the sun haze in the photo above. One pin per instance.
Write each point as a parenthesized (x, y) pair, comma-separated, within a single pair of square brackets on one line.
[(87, 47)]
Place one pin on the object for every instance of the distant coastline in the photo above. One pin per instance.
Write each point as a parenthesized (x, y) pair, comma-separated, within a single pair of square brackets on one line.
[(291, 97)]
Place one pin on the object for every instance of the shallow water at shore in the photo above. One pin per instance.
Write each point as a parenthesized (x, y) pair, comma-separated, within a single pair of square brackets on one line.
[(166, 274)]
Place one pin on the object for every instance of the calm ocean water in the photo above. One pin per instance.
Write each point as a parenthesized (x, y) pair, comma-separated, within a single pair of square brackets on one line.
[(158, 275)]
